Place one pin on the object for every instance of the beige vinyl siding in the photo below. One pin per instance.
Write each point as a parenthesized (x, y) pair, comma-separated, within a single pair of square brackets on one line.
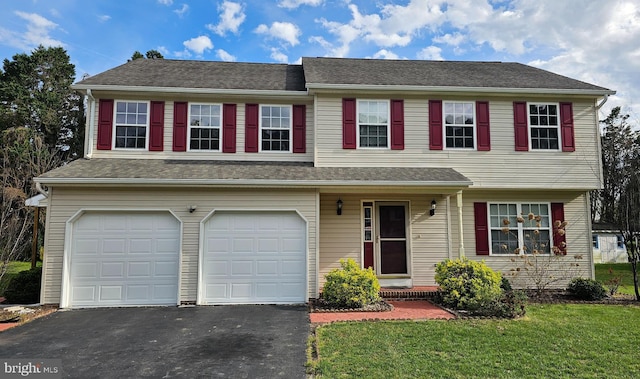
[(239, 155), (578, 235), (502, 167), (341, 236), (65, 202)]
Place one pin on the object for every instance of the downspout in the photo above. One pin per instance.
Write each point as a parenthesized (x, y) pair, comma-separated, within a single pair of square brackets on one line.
[(604, 100), (43, 191), (88, 137)]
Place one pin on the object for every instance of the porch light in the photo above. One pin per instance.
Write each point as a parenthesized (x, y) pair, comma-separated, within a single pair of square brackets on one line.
[(339, 207), (432, 211)]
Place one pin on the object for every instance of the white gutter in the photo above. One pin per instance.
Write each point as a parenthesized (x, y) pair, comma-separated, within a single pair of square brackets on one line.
[(606, 97), (247, 182), (413, 88), (182, 90), (90, 121)]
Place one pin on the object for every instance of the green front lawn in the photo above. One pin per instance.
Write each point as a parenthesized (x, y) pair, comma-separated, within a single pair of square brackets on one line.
[(622, 270), (552, 341)]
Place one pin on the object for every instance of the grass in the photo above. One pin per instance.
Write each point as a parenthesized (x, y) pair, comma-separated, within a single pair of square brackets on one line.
[(555, 341), (14, 268), (622, 270)]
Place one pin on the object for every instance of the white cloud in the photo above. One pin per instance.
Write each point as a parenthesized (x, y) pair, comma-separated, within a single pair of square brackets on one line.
[(37, 33), (165, 2), (180, 12), (224, 56), (199, 44), (432, 53), (385, 54), (104, 18), (292, 4), (345, 33), (279, 56), (54, 12), (231, 17), (163, 50), (284, 31)]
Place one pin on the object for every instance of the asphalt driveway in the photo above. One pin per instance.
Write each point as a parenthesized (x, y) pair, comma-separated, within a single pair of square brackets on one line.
[(240, 341)]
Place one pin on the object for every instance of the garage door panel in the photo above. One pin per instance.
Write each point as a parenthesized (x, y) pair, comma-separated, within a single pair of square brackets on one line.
[(134, 265), (248, 255)]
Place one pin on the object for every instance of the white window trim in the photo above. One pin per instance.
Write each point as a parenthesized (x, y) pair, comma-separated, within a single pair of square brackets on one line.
[(290, 128), (475, 127), (147, 125), (529, 127), (520, 229), (189, 126), (388, 147)]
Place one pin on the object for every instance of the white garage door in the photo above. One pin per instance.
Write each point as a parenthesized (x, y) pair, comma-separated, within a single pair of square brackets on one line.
[(124, 259), (254, 258)]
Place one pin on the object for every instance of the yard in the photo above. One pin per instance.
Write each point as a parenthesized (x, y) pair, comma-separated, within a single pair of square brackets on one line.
[(621, 270), (558, 341), (14, 268)]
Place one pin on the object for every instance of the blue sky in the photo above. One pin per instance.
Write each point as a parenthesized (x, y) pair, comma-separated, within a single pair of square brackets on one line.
[(598, 42)]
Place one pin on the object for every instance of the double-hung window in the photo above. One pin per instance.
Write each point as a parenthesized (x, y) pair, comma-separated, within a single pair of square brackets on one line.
[(131, 124), (373, 123), (544, 126), (520, 228), (460, 125), (204, 126), (275, 128)]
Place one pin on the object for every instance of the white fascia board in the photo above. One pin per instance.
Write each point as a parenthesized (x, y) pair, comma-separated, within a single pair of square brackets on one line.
[(320, 87), (181, 90), (245, 182)]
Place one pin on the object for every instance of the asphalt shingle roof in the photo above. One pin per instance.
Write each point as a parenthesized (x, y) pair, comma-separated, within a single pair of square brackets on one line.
[(154, 171), (168, 73), (435, 74), (202, 74)]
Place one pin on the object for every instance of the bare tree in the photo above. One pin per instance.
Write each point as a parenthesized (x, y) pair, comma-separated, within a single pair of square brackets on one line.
[(23, 157)]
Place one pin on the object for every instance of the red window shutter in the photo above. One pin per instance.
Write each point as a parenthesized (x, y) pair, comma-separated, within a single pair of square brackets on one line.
[(156, 126), (520, 125), (251, 128), (566, 127), (105, 124), (348, 123), (482, 228), (229, 128), (299, 128), (397, 124), (180, 126), (557, 216), (435, 124), (482, 126)]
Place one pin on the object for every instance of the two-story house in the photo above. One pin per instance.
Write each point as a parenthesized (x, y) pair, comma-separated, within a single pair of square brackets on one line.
[(215, 182)]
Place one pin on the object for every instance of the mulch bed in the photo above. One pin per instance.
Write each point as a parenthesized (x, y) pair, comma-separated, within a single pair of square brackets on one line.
[(319, 305)]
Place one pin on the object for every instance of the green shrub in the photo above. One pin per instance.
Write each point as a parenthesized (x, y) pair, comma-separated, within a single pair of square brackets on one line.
[(510, 304), (24, 288), (466, 284), (505, 284), (351, 286), (586, 289)]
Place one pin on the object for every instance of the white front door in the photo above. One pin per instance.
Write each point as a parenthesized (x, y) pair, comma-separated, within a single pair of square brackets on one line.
[(122, 259), (253, 258)]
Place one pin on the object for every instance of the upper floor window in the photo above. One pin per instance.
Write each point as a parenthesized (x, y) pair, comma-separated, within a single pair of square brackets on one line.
[(544, 126), (275, 127), (204, 126), (595, 241), (459, 122), (373, 123), (520, 228), (132, 124)]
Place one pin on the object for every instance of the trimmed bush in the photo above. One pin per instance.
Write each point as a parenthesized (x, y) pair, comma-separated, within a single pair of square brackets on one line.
[(24, 288), (351, 286), (467, 285), (510, 304), (586, 289)]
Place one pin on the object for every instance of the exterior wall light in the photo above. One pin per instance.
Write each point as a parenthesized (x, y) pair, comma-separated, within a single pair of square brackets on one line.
[(339, 207), (432, 211)]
